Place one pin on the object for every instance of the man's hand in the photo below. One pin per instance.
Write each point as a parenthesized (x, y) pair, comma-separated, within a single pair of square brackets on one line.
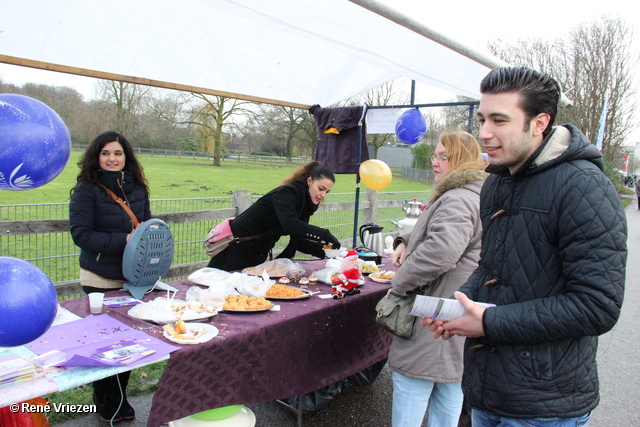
[(467, 325), (397, 258)]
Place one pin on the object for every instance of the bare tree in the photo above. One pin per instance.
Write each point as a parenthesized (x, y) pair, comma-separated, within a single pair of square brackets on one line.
[(210, 115), (594, 57), (205, 115), (389, 93), (285, 129), (128, 99)]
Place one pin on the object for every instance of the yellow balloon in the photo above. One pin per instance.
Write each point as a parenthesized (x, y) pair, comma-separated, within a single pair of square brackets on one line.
[(375, 174)]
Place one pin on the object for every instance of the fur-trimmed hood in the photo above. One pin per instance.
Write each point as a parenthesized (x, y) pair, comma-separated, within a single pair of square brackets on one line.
[(457, 180)]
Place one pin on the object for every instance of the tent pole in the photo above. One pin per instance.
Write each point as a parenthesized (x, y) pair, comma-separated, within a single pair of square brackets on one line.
[(357, 204)]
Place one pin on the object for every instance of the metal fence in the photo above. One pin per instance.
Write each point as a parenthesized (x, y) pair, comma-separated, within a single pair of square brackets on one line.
[(423, 175), (55, 253)]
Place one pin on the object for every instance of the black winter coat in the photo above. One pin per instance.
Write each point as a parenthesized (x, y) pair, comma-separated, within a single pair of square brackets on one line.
[(553, 261), (283, 211), (99, 226)]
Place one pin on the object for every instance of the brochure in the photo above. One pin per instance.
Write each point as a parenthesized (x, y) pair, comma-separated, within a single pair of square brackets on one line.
[(120, 301), (122, 352), (439, 308), (14, 369)]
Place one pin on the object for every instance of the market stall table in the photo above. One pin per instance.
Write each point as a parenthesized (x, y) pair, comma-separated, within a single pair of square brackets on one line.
[(265, 356)]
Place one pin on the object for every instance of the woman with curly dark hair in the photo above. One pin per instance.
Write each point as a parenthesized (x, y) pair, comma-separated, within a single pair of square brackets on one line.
[(101, 227)]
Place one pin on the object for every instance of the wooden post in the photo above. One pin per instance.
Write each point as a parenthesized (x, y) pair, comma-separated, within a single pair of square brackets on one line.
[(371, 214), (241, 200)]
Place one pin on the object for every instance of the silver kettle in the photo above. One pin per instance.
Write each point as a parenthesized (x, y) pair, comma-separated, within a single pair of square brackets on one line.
[(371, 237)]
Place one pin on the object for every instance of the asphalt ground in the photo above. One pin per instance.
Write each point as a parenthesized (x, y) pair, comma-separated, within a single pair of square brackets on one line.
[(370, 406)]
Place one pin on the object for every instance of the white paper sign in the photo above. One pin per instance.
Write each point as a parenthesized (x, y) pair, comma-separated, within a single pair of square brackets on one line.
[(381, 120)]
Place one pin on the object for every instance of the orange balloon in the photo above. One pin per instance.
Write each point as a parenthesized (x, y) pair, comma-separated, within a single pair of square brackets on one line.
[(375, 174)]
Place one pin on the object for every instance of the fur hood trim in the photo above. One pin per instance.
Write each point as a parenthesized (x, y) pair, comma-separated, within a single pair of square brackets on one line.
[(457, 180), (558, 143)]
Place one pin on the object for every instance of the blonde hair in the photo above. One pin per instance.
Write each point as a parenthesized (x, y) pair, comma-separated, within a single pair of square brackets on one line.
[(463, 151)]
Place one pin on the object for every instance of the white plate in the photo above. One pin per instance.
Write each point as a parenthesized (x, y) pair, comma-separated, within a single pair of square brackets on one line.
[(377, 279), (211, 333), (141, 312)]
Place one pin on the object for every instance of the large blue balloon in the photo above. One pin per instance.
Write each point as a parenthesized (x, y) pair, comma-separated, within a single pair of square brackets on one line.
[(34, 143), (411, 126), (28, 302)]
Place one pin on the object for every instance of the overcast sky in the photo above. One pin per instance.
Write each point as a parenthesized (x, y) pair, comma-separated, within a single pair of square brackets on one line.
[(472, 23)]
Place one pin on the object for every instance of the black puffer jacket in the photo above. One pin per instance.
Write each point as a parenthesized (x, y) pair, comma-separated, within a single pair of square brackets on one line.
[(99, 226), (553, 261), (283, 211)]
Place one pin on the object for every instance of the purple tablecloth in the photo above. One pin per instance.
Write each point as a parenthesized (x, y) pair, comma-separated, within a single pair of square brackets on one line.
[(264, 356)]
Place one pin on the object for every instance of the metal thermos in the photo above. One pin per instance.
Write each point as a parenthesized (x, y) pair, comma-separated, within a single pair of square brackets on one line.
[(371, 237)]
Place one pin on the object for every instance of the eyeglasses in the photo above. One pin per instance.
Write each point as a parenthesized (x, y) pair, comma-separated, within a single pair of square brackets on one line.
[(440, 159)]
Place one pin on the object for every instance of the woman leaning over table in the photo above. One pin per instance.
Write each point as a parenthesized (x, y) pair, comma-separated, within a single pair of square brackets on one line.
[(443, 248), (100, 227), (285, 210)]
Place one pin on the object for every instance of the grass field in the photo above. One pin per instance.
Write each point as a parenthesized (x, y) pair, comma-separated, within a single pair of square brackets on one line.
[(182, 178)]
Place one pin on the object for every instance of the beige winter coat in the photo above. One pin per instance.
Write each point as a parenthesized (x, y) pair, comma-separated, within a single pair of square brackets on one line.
[(441, 235)]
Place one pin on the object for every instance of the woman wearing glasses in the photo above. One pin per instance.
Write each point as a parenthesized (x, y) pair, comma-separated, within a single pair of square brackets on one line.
[(437, 256)]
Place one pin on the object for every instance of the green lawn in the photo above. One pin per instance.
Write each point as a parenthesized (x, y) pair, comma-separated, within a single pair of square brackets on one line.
[(182, 178)]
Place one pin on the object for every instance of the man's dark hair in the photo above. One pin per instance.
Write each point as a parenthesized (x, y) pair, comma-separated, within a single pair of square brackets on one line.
[(540, 93)]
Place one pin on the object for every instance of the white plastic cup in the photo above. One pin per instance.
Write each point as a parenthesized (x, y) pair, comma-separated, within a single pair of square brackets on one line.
[(95, 302)]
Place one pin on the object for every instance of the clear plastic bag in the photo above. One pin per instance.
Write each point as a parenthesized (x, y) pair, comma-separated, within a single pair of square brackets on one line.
[(214, 296), (275, 268), (209, 277), (252, 286)]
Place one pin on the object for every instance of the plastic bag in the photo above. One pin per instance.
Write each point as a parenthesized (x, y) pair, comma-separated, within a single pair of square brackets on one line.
[(9, 418), (209, 277), (214, 296), (275, 268), (319, 399), (157, 311), (324, 275), (252, 286), (316, 400)]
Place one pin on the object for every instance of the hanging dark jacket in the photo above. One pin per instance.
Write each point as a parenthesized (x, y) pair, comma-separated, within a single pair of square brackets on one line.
[(283, 211), (338, 135), (99, 226), (553, 261)]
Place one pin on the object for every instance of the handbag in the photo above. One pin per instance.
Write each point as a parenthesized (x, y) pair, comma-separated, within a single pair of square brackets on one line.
[(394, 308), (221, 236), (393, 313)]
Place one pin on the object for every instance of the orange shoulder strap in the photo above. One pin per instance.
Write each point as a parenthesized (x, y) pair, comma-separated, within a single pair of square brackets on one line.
[(124, 206)]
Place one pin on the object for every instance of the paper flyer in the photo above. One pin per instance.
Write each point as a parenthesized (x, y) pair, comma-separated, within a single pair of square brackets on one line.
[(439, 308)]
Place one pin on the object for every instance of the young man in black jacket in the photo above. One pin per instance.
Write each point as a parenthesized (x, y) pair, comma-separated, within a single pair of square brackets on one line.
[(553, 262)]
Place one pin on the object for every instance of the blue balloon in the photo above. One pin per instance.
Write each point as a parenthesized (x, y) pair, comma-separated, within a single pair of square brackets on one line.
[(34, 143), (411, 126), (28, 302)]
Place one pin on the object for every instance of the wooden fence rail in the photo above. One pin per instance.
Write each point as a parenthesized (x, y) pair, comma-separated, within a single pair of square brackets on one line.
[(241, 201)]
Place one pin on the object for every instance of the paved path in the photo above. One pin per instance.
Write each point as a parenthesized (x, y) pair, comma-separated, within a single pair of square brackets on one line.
[(370, 406)]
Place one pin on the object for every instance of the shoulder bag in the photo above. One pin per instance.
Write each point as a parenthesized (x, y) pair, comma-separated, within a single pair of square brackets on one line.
[(221, 236), (392, 311)]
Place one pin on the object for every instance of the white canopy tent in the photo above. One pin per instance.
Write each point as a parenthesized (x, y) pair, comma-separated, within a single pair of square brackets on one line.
[(285, 52)]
